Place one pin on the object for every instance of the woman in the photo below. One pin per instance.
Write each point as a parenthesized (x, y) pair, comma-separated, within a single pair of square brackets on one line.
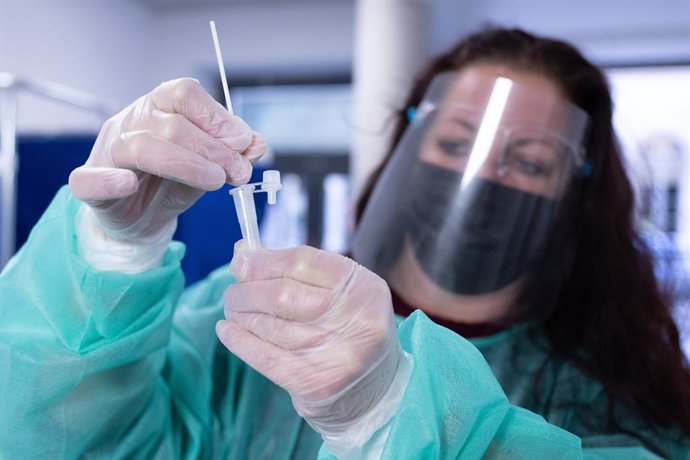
[(498, 172), (593, 290)]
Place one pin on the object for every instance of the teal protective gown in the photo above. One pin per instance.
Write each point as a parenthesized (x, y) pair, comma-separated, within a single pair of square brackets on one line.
[(110, 365)]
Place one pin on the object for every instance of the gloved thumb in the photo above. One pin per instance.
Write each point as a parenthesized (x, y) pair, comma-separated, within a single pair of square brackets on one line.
[(240, 246), (240, 251)]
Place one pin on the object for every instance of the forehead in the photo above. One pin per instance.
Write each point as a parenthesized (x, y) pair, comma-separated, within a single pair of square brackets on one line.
[(533, 98)]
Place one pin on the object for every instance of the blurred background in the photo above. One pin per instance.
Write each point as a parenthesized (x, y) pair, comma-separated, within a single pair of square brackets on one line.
[(319, 78)]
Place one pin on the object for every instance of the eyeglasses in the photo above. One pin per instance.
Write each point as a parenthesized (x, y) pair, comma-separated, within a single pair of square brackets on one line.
[(524, 156)]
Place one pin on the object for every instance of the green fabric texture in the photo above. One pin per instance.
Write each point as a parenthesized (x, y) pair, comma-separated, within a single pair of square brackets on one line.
[(565, 396), (108, 365)]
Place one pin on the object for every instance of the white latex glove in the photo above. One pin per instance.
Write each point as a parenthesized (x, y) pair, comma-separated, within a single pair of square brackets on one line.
[(155, 158), (317, 324)]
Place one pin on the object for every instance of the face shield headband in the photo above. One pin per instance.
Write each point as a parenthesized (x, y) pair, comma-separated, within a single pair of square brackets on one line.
[(467, 201)]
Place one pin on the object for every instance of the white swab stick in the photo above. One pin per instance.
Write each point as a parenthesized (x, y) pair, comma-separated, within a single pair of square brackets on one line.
[(221, 67)]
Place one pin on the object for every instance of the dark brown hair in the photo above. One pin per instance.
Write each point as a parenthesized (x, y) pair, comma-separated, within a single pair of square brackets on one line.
[(610, 317)]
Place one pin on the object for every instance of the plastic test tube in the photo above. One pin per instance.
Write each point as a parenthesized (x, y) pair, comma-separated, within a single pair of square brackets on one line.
[(243, 196)]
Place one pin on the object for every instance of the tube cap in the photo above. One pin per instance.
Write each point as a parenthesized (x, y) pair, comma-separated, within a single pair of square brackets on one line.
[(271, 184)]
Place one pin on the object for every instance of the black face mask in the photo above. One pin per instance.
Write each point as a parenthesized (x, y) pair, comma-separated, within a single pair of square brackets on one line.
[(494, 233)]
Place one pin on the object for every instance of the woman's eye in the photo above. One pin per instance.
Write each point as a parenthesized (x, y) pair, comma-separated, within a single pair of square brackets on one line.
[(531, 168), (456, 147)]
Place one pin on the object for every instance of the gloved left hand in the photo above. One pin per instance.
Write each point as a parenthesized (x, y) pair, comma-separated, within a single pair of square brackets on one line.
[(317, 324)]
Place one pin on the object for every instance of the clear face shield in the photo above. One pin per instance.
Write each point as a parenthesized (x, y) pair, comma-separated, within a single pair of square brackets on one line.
[(468, 198)]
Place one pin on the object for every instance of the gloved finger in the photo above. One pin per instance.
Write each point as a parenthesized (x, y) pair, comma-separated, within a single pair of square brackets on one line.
[(188, 98), (369, 297), (266, 358), (91, 184), (284, 298), (319, 375), (283, 333), (147, 152), (306, 264), (179, 130), (257, 148)]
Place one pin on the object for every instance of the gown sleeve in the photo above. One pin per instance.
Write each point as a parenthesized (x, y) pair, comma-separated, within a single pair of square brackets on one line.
[(454, 407), (85, 355)]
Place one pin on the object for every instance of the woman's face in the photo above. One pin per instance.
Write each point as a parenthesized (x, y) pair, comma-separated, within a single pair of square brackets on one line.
[(519, 156)]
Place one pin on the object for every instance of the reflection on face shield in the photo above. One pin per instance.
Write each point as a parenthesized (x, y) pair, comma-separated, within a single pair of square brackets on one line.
[(495, 231)]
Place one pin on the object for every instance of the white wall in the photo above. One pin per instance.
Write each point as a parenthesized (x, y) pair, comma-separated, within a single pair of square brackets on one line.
[(98, 46), (311, 36), (120, 49), (608, 31)]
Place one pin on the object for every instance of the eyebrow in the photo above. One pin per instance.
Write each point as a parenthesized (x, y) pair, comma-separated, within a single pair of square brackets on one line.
[(466, 124), (538, 140)]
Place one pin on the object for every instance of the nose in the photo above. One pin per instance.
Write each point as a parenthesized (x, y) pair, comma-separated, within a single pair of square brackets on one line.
[(492, 165)]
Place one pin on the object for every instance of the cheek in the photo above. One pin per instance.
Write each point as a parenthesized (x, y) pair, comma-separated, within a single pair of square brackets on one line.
[(428, 150)]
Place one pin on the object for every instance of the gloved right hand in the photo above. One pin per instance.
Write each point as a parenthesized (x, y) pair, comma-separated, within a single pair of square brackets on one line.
[(155, 158), (322, 327)]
